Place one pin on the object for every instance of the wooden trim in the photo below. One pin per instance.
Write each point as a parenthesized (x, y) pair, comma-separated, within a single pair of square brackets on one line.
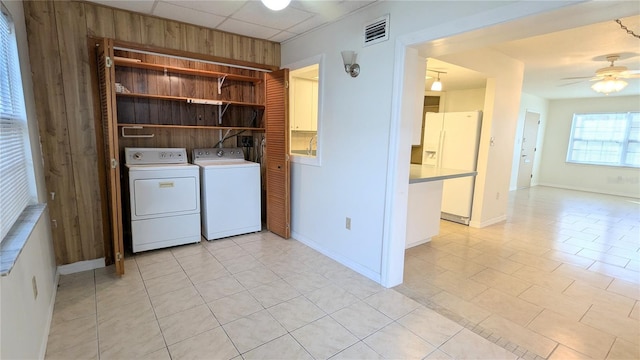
[(92, 43), (185, 71), (191, 127), (106, 77), (191, 55), (278, 183)]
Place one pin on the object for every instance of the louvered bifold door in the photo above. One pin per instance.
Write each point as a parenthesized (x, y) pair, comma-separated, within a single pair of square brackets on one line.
[(277, 153), (106, 76)]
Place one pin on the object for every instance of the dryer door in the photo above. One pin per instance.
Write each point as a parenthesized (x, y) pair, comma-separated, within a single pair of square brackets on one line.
[(164, 196)]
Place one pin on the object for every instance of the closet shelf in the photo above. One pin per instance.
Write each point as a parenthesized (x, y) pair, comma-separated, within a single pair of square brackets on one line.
[(185, 71)]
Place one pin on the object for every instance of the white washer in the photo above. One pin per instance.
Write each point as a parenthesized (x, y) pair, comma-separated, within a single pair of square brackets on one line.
[(164, 194), (230, 192)]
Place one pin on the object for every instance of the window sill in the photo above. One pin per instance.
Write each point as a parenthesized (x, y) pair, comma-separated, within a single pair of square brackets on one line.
[(17, 237)]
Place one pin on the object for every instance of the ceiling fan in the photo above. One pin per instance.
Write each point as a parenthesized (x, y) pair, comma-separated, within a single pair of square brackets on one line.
[(610, 78)]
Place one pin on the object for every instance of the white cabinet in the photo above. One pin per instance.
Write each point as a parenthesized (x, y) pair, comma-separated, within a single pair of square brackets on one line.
[(423, 212), (304, 107)]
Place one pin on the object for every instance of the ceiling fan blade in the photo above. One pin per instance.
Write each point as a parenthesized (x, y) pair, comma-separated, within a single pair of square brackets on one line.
[(577, 77), (630, 74), (572, 83)]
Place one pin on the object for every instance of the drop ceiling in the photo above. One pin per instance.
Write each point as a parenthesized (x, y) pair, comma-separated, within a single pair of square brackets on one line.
[(547, 58), (246, 17)]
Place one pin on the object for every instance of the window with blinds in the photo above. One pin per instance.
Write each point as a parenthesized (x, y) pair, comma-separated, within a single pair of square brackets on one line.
[(14, 183), (605, 139)]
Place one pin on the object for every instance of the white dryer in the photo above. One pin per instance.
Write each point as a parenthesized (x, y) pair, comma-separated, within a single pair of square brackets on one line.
[(164, 194), (230, 192)]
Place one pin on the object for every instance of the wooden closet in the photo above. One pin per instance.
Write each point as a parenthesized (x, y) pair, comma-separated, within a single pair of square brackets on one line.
[(152, 97)]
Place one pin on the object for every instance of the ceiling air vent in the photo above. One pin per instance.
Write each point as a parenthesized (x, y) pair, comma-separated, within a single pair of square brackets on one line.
[(376, 31)]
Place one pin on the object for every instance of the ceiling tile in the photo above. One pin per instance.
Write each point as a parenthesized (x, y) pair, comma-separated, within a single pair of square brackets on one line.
[(307, 25), (330, 10), (282, 36), (256, 13), (171, 11), (247, 29), (220, 7)]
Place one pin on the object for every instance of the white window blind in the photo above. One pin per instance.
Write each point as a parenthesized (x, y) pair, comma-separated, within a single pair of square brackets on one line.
[(14, 184), (605, 139)]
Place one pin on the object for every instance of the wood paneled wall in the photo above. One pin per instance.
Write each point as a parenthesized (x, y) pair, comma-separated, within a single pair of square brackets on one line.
[(57, 34)]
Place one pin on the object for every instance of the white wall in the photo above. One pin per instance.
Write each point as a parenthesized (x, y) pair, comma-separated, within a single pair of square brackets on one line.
[(24, 322), (554, 171), (462, 100), (364, 173), (500, 114), (25, 319), (538, 105)]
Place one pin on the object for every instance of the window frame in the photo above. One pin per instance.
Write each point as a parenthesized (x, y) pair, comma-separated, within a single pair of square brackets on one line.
[(16, 128), (624, 143), (317, 159)]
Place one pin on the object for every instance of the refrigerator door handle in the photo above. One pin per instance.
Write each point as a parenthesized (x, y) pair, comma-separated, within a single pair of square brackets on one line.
[(440, 147)]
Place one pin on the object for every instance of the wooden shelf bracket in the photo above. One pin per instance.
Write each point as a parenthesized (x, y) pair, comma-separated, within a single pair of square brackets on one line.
[(221, 112), (220, 83)]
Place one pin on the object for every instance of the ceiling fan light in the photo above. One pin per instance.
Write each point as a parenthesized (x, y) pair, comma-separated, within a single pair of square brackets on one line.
[(276, 5), (607, 86)]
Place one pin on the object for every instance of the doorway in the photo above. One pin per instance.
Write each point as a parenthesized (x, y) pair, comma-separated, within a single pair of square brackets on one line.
[(528, 149)]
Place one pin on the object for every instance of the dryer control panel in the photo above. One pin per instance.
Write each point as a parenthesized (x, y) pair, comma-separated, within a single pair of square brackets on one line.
[(218, 154), (150, 156)]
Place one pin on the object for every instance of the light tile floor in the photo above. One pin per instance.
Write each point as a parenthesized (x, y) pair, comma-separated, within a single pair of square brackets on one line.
[(255, 296), (559, 279)]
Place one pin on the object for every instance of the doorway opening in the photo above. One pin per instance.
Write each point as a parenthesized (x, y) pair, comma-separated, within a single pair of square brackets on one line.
[(528, 149)]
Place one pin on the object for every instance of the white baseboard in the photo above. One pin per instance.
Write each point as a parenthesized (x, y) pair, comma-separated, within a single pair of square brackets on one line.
[(577, 188), (477, 224), (52, 302), (339, 258), (419, 242), (81, 266)]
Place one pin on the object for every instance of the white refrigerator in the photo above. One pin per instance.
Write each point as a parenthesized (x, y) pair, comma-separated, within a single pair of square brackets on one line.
[(451, 141)]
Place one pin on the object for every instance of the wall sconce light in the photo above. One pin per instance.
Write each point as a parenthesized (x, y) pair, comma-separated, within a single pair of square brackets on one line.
[(349, 60), (608, 85), (437, 85), (276, 5)]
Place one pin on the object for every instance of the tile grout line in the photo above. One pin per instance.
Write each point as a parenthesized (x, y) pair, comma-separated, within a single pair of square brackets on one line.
[(473, 327)]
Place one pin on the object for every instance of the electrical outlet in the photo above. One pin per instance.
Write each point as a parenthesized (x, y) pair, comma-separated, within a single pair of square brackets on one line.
[(246, 141), (347, 223), (35, 287)]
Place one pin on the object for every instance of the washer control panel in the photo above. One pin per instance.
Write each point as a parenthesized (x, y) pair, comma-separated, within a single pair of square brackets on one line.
[(218, 154), (149, 156)]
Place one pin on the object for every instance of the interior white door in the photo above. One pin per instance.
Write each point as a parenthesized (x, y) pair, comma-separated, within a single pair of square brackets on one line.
[(528, 150)]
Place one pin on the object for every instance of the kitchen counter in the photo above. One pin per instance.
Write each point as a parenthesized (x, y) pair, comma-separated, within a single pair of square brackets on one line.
[(423, 173), (425, 201)]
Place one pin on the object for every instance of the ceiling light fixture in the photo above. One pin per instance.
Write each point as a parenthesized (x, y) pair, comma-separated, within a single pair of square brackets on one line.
[(349, 60), (437, 85), (608, 85), (276, 5)]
